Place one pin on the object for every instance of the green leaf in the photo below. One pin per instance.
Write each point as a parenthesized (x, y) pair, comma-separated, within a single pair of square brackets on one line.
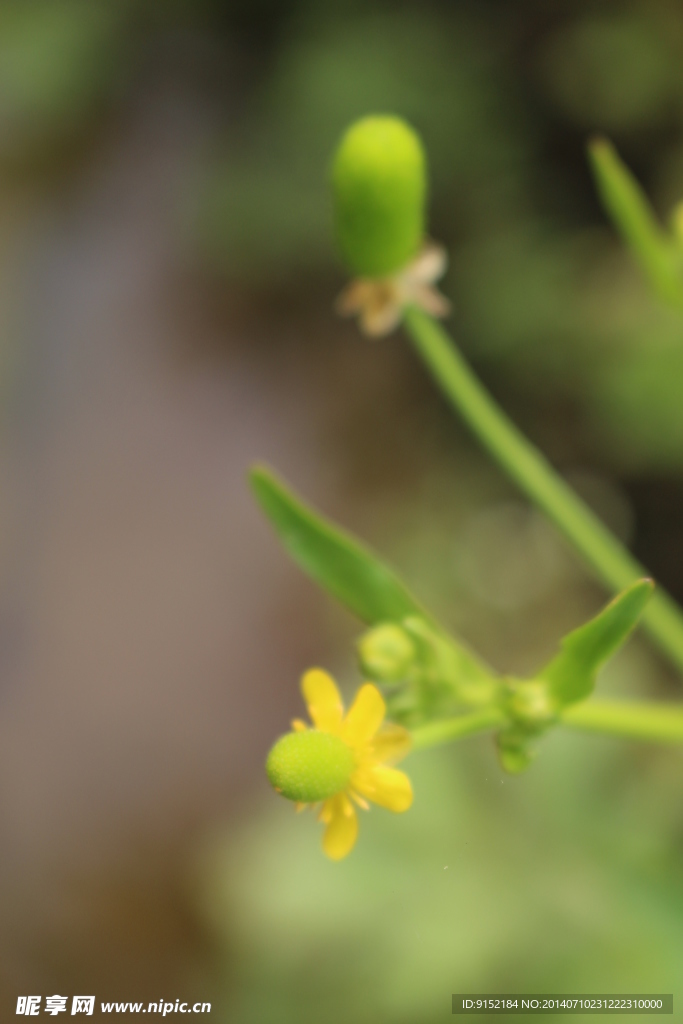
[(335, 560), (634, 218), (359, 579), (571, 675)]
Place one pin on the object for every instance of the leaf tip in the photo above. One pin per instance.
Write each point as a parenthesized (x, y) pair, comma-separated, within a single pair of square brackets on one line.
[(598, 144), (261, 478), (257, 471), (643, 588)]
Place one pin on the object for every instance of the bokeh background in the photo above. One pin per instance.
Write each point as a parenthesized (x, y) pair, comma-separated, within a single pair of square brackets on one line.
[(166, 284)]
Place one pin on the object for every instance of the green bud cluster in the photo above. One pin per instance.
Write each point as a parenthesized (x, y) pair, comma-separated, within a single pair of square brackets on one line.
[(386, 653), (309, 766), (380, 185), (531, 710), (530, 704)]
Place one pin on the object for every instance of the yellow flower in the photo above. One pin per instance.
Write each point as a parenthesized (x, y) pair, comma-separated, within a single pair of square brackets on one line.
[(380, 301), (343, 760)]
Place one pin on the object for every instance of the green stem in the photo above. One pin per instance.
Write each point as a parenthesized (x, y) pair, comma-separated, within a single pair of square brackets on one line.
[(435, 734), (611, 562), (661, 723)]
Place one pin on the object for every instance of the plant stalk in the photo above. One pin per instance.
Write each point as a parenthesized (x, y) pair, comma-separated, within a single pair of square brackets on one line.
[(660, 723), (534, 475), (435, 734)]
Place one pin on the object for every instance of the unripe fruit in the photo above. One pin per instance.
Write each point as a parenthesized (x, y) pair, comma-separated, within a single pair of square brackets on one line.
[(379, 182), (310, 766)]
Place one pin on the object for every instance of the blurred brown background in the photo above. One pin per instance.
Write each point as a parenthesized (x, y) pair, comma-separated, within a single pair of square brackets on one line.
[(166, 284)]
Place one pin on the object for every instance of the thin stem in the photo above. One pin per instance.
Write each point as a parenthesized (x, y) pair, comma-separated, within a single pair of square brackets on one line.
[(661, 723), (435, 734), (611, 562)]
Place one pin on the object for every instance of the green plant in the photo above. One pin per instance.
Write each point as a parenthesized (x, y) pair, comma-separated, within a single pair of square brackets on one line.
[(437, 690)]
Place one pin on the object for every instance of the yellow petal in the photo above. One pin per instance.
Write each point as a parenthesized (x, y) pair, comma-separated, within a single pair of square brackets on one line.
[(391, 743), (298, 725), (324, 702), (359, 800), (342, 828), (387, 787), (365, 716), (326, 811)]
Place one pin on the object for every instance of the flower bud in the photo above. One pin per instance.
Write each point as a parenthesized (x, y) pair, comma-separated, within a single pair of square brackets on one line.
[(386, 653), (379, 182), (530, 703), (309, 766), (514, 751)]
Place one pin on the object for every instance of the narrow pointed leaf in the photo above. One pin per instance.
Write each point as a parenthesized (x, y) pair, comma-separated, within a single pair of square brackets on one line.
[(339, 563), (633, 216), (571, 675), (347, 570)]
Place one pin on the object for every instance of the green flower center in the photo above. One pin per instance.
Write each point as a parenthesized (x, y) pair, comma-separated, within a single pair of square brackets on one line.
[(310, 766)]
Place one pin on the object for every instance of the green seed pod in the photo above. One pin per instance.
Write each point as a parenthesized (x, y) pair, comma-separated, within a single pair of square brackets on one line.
[(309, 766), (386, 653), (379, 182)]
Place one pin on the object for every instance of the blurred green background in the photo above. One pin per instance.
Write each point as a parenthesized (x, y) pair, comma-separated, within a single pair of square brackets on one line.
[(166, 287)]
